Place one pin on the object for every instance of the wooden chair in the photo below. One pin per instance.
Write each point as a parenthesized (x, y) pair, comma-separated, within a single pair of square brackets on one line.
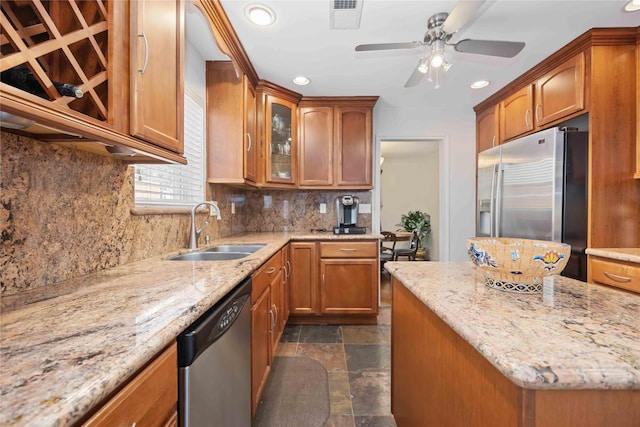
[(387, 252), (409, 252)]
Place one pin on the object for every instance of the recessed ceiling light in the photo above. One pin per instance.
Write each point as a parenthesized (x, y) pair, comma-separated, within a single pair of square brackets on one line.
[(632, 6), (301, 81), (480, 84), (260, 14)]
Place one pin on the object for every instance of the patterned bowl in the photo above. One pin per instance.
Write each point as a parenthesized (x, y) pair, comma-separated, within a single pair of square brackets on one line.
[(517, 265)]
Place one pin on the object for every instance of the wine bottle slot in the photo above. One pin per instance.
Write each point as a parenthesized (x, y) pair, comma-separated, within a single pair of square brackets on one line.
[(22, 78)]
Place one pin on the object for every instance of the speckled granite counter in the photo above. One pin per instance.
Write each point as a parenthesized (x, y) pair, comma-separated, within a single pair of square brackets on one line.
[(65, 348), (576, 337), (620, 254)]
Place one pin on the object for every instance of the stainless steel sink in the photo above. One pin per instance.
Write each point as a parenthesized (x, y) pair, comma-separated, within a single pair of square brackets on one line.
[(235, 248), (210, 256)]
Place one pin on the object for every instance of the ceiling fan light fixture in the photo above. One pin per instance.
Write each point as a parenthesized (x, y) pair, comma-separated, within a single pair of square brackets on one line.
[(446, 65), (424, 66), (436, 60), (632, 6), (260, 14)]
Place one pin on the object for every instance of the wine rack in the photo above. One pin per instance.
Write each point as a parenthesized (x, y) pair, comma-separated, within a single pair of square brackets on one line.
[(63, 41)]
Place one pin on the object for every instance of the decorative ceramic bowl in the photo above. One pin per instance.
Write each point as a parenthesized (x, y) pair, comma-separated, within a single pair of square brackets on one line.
[(517, 265)]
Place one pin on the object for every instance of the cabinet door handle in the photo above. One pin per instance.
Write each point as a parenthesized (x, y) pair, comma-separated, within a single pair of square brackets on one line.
[(273, 320), (146, 52), (617, 278), (249, 141), (271, 270), (526, 118), (493, 141), (537, 117), (288, 269), (348, 250), (322, 278), (285, 275)]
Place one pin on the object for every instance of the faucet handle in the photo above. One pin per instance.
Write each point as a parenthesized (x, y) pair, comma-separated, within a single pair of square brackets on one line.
[(198, 231)]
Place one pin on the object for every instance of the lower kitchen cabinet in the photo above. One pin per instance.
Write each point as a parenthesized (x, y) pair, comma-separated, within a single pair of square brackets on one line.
[(149, 399), (267, 296), (334, 282), (621, 274), (346, 286)]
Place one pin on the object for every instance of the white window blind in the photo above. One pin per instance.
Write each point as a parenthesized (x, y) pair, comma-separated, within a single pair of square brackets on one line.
[(177, 185)]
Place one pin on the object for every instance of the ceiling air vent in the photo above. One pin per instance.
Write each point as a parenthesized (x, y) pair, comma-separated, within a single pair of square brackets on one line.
[(345, 14)]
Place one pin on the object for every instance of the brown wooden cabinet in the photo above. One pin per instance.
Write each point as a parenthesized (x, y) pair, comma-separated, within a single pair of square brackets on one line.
[(333, 281), (488, 128), (82, 43), (560, 92), (336, 142), (266, 322), (278, 135), (157, 62), (286, 286), (621, 274), (303, 295), (231, 126), (149, 399), (516, 113), (316, 147), (576, 80)]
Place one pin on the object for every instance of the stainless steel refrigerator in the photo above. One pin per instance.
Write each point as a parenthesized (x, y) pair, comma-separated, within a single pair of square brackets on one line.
[(535, 187)]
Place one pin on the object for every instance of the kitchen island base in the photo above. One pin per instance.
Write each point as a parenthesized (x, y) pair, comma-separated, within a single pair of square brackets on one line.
[(438, 379)]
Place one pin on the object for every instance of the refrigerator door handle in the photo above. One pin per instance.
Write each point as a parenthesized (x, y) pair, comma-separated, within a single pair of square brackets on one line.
[(498, 200), (492, 202)]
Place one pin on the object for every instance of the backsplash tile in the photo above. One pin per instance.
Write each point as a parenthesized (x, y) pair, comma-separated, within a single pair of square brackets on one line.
[(65, 213)]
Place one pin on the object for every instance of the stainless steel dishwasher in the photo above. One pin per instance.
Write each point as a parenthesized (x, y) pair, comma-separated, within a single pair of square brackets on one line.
[(214, 360)]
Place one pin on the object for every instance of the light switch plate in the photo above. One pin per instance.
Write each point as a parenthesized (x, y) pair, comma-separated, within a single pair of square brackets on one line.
[(323, 208)]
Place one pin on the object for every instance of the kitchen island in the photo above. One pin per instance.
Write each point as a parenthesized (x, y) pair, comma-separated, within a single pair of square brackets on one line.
[(66, 348), (465, 354)]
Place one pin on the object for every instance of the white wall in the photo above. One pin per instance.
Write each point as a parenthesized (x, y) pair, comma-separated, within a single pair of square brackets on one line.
[(411, 183), (457, 127)]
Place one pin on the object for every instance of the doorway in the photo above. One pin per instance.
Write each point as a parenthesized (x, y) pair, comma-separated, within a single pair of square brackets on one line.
[(411, 175)]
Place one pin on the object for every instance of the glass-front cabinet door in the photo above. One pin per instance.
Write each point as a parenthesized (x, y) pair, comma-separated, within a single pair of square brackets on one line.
[(281, 144)]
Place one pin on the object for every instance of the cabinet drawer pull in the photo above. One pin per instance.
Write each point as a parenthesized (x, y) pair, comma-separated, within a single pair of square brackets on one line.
[(617, 278), (348, 250), (271, 270), (146, 52)]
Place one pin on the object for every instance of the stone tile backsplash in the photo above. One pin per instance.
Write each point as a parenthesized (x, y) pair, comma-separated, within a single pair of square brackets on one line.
[(65, 213)]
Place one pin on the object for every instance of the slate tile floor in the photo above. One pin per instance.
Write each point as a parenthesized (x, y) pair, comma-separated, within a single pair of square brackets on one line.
[(357, 359)]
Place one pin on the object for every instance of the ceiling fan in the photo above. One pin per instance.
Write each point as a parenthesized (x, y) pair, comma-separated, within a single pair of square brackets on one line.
[(440, 28)]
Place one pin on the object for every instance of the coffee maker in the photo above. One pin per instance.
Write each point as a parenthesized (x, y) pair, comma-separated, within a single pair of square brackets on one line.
[(347, 212)]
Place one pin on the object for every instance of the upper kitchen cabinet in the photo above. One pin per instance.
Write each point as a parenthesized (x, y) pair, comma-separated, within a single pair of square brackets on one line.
[(591, 75), (157, 62), (232, 147), (64, 74), (336, 142), (560, 92), (488, 128), (515, 113), (556, 95), (277, 109)]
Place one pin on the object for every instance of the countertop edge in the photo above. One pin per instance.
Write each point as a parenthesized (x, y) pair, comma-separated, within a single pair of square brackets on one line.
[(621, 254)]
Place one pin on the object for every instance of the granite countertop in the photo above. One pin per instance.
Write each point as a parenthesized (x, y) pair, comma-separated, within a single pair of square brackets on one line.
[(574, 336), (620, 254), (64, 348)]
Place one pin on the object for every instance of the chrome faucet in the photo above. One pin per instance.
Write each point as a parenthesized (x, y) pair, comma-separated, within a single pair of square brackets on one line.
[(193, 239)]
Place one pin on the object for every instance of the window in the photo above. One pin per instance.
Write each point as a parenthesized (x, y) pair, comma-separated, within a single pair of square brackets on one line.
[(177, 185)]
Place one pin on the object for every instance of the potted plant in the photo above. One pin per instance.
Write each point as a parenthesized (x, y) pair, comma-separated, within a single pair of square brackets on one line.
[(421, 222)]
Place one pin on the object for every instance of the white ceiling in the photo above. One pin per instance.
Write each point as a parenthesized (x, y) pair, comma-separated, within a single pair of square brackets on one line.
[(301, 43)]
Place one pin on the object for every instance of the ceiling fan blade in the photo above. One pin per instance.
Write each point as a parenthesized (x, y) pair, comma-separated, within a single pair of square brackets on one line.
[(386, 46), (416, 77), (490, 47), (460, 15)]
